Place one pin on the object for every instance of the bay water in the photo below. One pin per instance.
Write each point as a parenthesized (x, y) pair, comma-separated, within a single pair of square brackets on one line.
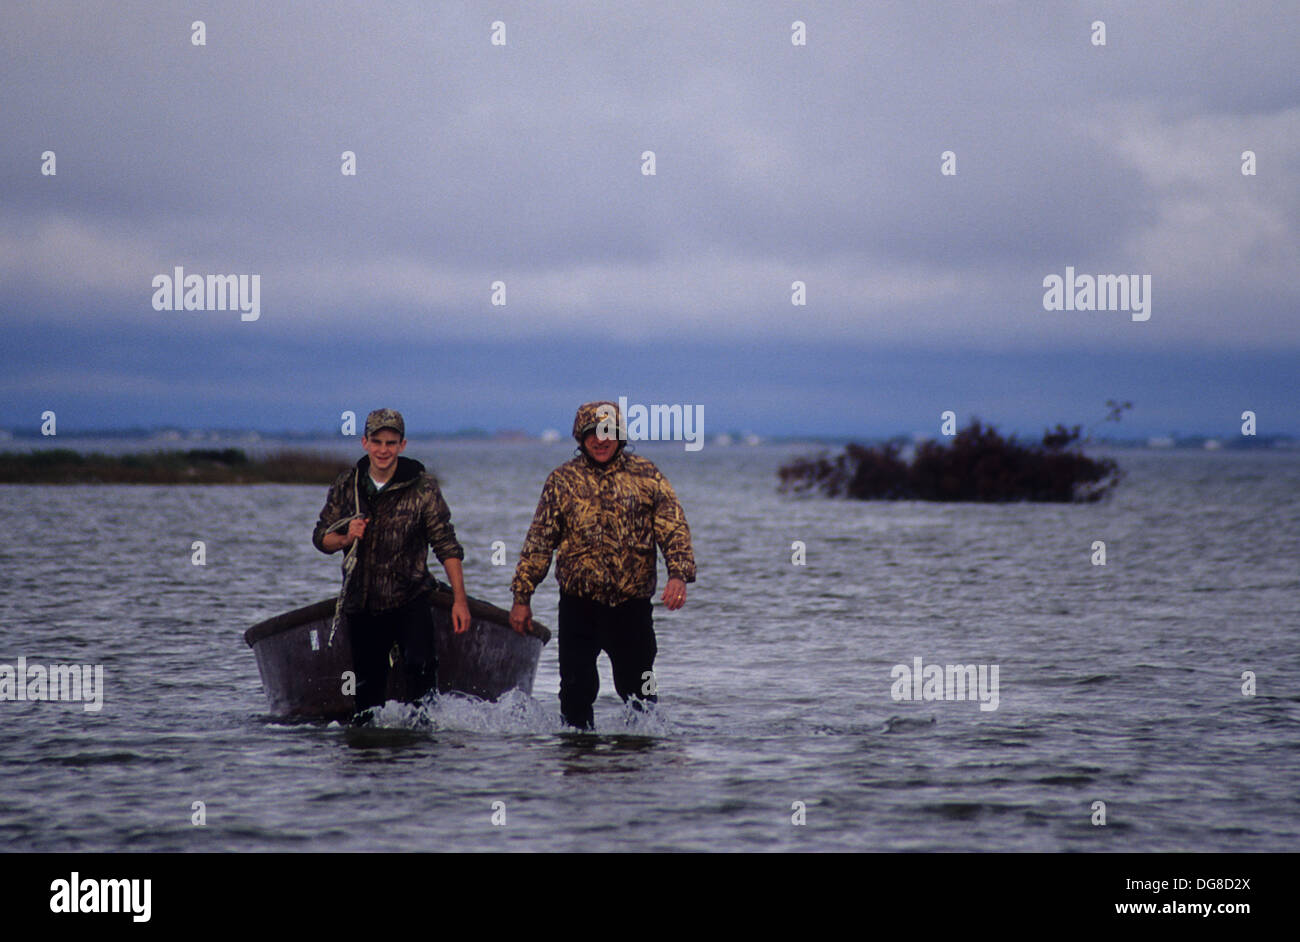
[(1124, 690)]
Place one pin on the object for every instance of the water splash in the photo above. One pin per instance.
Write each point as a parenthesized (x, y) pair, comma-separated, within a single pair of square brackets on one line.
[(646, 719), (515, 712)]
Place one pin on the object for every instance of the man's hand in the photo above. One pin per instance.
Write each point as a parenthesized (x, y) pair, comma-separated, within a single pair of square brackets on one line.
[(521, 618), (459, 605), (356, 530), (343, 539), (460, 616), (675, 594)]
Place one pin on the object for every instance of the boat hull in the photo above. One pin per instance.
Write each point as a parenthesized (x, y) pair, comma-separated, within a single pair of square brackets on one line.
[(303, 673)]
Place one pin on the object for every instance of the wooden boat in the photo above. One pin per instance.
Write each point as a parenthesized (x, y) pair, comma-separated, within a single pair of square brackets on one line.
[(302, 673)]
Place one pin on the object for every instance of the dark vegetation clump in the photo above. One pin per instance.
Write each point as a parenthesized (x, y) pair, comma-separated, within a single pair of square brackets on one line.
[(196, 466), (978, 464)]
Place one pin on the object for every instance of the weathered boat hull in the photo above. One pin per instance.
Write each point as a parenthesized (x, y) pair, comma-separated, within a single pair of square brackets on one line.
[(302, 673)]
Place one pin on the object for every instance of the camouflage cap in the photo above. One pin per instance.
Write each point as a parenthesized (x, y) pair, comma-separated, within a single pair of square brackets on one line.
[(385, 418), (589, 416)]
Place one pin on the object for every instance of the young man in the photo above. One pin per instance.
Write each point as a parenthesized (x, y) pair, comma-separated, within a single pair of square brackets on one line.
[(604, 511), (396, 513)]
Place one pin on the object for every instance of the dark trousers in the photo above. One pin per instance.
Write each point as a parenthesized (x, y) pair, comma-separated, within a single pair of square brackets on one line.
[(373, 636), (625, 632)]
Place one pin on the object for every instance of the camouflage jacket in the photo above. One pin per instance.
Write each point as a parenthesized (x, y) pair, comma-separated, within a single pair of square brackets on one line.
[(605, 522), (407, 517)]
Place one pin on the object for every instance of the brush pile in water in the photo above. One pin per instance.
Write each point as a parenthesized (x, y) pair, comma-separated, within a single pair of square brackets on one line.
[(977, 464)]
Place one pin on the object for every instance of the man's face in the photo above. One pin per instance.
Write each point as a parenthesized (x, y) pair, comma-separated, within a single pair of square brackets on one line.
[(383, 447), (600, 449)]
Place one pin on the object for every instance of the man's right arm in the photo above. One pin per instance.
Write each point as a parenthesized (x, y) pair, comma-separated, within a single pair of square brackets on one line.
[(335, 509), (333, 542), (542, 539), (535, 558)]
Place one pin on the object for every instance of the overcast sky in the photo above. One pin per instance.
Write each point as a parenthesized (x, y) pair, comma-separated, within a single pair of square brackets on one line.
[(775, 162)]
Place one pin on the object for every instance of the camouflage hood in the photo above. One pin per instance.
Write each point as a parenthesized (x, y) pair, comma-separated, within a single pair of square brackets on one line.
[(590, 415)]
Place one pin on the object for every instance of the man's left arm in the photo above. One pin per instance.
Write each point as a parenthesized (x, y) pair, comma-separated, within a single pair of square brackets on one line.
[(442, 540), (674, 539)]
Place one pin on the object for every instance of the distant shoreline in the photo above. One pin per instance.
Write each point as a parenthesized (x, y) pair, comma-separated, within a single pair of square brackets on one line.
[(324, 443), (192, 466)]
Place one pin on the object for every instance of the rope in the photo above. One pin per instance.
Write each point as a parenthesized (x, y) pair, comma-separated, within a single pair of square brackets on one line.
[(349, 564), (349, 561)]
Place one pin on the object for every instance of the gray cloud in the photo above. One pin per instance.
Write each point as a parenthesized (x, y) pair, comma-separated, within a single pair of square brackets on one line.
[(775, 163)]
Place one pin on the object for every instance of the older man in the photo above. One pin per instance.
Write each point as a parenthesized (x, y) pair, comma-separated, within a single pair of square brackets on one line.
[(604, 511)]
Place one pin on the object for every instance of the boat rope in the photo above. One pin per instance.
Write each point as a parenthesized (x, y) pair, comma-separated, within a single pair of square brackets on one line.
[(349, 560), (349, 564)]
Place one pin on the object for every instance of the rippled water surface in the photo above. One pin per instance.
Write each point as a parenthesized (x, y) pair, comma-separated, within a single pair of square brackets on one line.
[(1119, 683)]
